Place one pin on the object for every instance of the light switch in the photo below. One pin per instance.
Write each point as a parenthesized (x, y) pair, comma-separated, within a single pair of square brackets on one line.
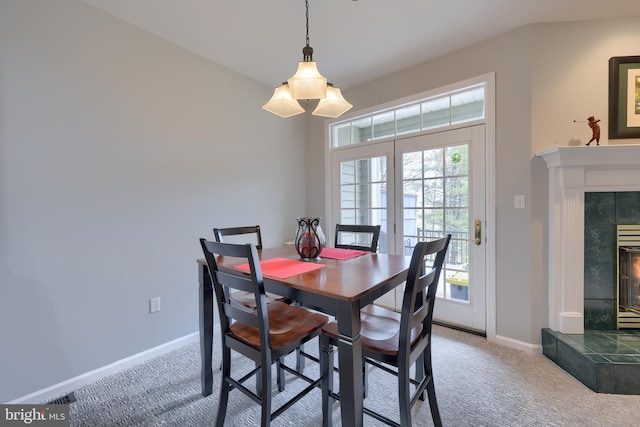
[(519, 201)]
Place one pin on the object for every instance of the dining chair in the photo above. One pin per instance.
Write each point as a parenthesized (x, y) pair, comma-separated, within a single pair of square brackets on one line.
[(348, 236), (359, 237), (265, 334), (247, 234), (394, 342)]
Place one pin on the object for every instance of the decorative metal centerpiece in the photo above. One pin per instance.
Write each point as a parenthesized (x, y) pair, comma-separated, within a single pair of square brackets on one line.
[(309, 239)]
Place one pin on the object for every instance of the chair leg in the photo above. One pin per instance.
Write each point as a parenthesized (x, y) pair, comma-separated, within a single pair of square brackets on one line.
[(433, 404), (431, 391), (265, 392), (280, 373), (326, 372), (365, 379), (404, 393), (300, 359), (225, 387), (258, 380)]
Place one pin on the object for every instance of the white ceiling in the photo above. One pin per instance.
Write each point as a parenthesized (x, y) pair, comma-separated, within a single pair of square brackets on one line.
[(353, 41)]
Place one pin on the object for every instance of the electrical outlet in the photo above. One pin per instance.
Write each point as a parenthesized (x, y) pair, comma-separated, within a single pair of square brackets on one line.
[(154, 305)]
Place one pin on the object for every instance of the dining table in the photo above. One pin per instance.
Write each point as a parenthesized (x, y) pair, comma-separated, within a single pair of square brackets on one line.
[(338, 286)]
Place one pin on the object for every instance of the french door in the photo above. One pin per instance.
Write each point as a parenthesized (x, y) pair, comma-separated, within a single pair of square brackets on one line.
[(419, 188)]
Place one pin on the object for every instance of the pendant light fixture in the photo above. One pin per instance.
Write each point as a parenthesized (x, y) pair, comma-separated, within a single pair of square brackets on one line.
[(307, 83)]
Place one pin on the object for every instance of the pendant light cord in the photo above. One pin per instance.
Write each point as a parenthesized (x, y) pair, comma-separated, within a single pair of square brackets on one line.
[(307, 51), (306, 2)]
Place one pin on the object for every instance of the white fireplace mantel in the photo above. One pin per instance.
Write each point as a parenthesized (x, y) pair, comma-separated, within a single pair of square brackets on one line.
[(573, 171)]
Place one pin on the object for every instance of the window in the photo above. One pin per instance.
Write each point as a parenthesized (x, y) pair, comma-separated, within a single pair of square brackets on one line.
[(446, 109)]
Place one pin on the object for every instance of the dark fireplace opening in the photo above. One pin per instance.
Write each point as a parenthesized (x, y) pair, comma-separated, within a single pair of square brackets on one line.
[(629, 279)]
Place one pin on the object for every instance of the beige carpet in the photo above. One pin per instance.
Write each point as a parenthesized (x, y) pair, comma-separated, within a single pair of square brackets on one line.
[(477, 383)]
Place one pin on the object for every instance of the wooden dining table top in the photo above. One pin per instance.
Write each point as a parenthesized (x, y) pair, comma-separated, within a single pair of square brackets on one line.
[(347, 280)]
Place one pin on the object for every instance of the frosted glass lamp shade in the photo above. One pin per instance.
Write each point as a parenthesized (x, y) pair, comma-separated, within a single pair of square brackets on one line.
[(282, 104), (333, 105), (307, 82)]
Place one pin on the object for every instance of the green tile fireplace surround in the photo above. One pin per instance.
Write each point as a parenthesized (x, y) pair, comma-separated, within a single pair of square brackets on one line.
[(604, 359), (582, 335)]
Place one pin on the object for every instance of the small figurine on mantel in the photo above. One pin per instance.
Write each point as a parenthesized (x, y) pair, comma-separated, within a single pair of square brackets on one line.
[(595, 128)]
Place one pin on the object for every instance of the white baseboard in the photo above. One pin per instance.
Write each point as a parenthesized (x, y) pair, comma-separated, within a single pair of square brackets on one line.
[(49, 393), (518, 345)]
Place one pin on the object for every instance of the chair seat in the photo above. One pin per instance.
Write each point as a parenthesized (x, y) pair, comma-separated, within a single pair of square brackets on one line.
[(288, 324), (379, 330), (248, 299)]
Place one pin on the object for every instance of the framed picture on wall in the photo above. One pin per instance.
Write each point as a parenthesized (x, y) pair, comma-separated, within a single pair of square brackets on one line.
[(624, 97)]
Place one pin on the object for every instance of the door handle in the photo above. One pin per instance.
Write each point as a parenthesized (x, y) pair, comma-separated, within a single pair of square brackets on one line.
[(478, 232)]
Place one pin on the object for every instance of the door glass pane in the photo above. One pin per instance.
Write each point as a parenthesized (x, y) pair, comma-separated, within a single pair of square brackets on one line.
[(348, 198), (433, 164), (435, 202), (457, 160), (457, 191), (363, 194), (348, 172), (376, 200), (412, 166), (412, 194), (433, 223), (434, 192)]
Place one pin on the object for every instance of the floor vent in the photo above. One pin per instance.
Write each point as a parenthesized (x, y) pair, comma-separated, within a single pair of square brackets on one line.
[(64, 400)]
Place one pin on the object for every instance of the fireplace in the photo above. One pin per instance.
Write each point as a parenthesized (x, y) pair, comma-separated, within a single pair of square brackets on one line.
[(592, 191), (628, 246), (574, 172)]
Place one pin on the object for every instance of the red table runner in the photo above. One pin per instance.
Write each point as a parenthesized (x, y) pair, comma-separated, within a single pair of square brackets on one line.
[(341, 254), (282, 268)]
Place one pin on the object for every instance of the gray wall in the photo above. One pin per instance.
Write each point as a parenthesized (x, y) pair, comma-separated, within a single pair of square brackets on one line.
[(546, 77), (118, 151)]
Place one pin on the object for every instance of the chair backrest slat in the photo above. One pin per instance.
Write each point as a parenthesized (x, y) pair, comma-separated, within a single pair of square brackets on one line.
[(422, 311), (243, 283), (249, 231), (242, 315), (362, 237)]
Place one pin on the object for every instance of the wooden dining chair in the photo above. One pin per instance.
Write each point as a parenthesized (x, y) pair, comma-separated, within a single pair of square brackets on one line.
[(359, 237), (265, 334), (247, 234), (348, 236), (395, 341)]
